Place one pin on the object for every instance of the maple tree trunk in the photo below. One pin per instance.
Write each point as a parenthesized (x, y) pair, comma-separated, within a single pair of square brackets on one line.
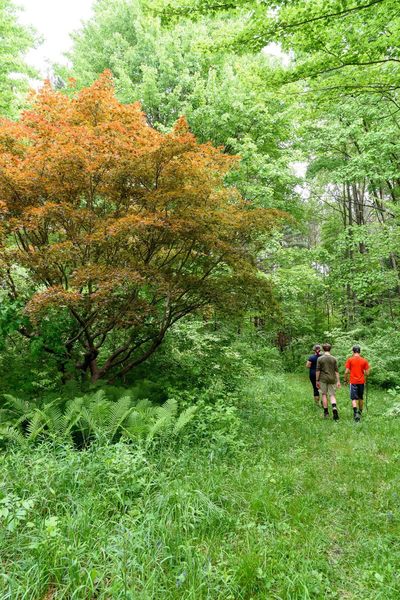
[(89, 364)]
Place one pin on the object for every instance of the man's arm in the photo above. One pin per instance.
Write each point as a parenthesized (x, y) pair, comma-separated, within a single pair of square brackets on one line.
[(346, 375), (337, 375), (308, 364), (317, 378)]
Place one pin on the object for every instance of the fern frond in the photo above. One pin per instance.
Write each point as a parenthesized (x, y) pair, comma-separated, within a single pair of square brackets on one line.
[(12, 434), (99, 412), (72, 414), (168, 409), (36, 424), (184, 418), (54, 418), (162, 424), (97, 397), (146, 409), (119, 412), (73, 408), (17, 406)]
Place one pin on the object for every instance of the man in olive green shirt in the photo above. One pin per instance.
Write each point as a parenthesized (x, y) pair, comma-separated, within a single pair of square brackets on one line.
[(328, 379)]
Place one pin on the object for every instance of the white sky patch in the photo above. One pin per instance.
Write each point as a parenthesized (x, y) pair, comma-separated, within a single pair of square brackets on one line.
[(299, 168), (274, 49), (54, 20)]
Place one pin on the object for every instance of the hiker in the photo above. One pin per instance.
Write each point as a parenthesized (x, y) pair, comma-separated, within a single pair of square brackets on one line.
[(312, 365), (358, 369), (328, 379)]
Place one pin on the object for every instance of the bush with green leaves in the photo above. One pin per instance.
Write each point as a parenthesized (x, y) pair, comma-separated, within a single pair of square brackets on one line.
[(197, 354), (379, 345), (201, 370), (82, 420)]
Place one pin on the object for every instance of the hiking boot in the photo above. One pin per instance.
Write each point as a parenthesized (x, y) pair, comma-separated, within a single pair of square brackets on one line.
[(335, 415), (326, 415), (357, 417)]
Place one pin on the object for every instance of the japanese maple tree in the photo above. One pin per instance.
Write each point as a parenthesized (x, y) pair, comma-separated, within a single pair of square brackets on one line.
[(118, 230)]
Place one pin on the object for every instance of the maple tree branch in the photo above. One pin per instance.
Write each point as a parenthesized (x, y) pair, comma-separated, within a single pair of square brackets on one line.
[(156, 343), (28, 334), (13, 290), (85, 327), (111, 364)]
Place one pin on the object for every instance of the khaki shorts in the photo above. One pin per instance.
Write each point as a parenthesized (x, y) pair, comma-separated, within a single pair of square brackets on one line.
[(328, 388)]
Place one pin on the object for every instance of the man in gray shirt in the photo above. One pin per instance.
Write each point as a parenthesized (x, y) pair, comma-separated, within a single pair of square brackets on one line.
[(328, 379)]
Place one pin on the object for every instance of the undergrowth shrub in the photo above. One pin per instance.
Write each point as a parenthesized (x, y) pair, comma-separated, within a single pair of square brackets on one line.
[(195, 383), (93, 416), (379, 345), (218, 421), (196, 354), (394, 394)]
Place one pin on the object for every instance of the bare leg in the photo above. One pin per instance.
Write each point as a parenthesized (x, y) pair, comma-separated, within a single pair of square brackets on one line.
[(355, 404), (334, 408)]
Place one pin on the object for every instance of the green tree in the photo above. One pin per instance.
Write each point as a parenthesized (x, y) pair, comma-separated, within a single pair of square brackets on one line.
[(121, 230), (344, 46), (16, 40), (174, 72), (353, 154)]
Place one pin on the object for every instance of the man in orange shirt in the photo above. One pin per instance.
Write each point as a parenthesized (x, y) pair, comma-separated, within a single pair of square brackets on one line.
[(358, 369)]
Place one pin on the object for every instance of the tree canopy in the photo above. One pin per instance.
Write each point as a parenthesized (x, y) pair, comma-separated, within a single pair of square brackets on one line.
[(344, 46), (16, 40), (174, 72), (118, 228)]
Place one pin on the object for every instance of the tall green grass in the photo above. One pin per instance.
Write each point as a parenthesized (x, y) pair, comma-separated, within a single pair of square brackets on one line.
[(288, 507)]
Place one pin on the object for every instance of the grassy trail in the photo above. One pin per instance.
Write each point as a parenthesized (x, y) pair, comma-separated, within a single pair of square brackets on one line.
[(337, 489), (295, 508)]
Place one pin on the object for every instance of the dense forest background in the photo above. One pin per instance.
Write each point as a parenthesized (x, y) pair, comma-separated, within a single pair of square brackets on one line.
[(316, 128), (204, 192)]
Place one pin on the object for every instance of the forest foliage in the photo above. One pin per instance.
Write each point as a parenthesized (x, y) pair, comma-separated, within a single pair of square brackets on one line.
[(16, 40), (226, 184), (118, 230), (207, 189)]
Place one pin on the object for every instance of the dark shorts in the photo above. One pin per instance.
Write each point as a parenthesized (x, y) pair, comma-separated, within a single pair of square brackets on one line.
[(313, 379), (356, 391)]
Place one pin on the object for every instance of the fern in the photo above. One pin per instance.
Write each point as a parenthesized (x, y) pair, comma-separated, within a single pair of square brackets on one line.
[(18, 408), (162, 423), (36, 424), (164, 416), (119, 412), (184, 418), (12, 434), (55, 419), (93, 415), (73, 414), (136, 425), (168, 409), (146, 408)]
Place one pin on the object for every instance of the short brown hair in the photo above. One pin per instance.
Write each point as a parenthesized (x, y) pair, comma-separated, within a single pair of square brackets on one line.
[(326, 347)]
